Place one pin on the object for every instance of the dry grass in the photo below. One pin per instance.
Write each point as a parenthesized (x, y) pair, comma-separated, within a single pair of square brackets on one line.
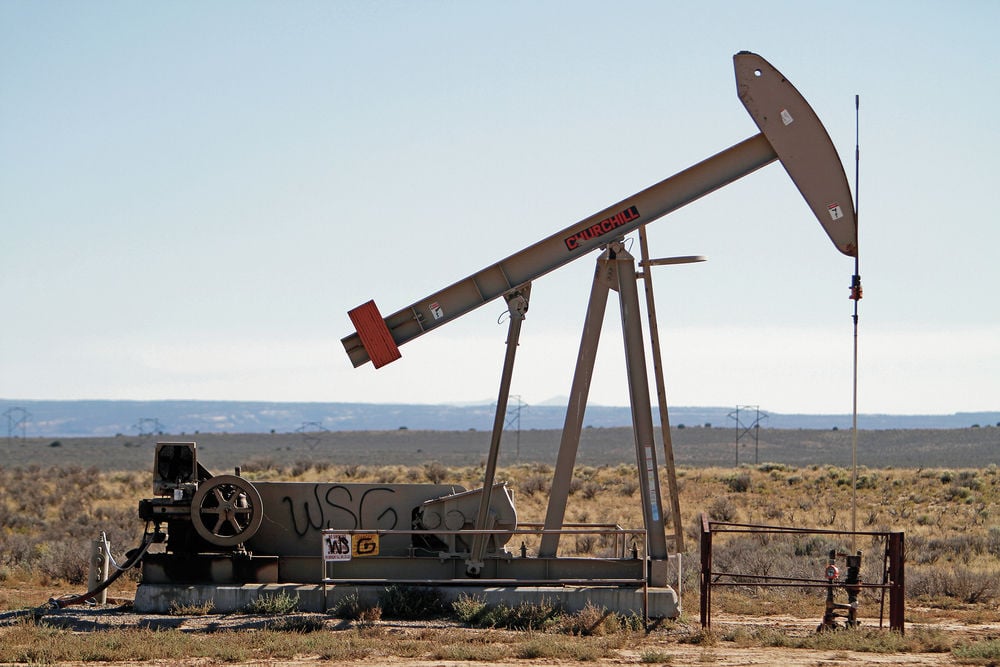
[(951, 519)]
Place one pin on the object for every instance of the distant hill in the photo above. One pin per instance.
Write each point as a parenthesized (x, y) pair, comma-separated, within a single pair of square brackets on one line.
[(49, 419)]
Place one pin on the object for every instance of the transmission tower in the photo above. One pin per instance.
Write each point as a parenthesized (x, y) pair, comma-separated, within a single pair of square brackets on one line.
[(744, 428), (17, 418), (514, 417), (149, 426), (312, 433)]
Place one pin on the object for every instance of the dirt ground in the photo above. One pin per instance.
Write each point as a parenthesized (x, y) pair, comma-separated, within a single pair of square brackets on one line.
[(665, 641)]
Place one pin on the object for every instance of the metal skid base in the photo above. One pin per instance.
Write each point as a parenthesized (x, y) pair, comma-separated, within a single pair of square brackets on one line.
[(231, 582), (161, 598)]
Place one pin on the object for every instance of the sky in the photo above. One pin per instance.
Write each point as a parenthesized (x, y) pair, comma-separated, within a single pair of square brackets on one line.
[(193, 195)]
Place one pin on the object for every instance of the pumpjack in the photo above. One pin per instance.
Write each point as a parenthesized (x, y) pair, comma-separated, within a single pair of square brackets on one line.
[(348, 537)]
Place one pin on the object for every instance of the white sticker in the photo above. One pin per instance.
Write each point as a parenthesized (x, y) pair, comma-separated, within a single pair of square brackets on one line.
[(786, 117), (336, 547), (836, 213), (436, 311)]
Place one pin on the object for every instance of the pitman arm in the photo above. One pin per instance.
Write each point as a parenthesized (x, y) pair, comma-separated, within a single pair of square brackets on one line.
[(790, 132)]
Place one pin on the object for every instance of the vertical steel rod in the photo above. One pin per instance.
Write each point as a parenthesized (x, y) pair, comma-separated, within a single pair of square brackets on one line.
[(661, 394)]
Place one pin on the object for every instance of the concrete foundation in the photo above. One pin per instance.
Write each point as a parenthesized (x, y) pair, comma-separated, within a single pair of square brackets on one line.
[(159, 598)]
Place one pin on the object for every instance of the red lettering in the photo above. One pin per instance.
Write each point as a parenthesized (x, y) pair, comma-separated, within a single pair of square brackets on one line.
[(603, 227)]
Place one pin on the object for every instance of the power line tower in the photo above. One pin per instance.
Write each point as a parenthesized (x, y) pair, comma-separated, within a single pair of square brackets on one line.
[(149, 426), (514, 417), (312, 433), (744, 428), (17, 418)]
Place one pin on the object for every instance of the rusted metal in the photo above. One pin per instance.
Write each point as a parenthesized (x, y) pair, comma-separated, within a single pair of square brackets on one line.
[(894, 583), (706, 573)]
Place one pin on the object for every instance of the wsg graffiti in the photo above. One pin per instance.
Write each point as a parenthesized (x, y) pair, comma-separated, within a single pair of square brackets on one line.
[(337, 507)]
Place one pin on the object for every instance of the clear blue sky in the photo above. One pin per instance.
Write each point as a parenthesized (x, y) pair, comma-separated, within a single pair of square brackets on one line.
[(193, 195)]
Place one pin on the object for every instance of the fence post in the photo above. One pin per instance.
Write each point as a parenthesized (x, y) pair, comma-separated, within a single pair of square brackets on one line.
[(897, 579), (706, 573)]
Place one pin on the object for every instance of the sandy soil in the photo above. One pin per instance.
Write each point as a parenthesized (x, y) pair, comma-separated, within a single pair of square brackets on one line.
[(665, 640)]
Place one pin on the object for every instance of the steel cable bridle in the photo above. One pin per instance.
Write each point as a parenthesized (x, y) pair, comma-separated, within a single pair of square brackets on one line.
[(148, 538)]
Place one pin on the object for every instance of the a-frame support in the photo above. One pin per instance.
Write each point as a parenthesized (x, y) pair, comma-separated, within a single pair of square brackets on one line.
[(615, 271)]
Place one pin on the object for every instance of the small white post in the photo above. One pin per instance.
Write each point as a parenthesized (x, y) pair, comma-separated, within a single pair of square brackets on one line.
[(100, 561)]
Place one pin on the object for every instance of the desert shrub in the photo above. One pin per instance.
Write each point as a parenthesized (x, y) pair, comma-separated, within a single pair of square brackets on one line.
[(970, 479), (956, 548), (435, 472), (301, 623), (411, 602), (350, 607), (471, 652), (300, 467), (469, 609), (352, 470), (813, 545), (536, 483), (597, 621), (66, 560), (387, 475), (276, 603), (258, 464), (956, 492), (522, 616), (993, 541), (978, 653), (585, 543), (191, 609), (559, 648), (628, 487), (369, 616), (867, 481), (960, 582), (773, 512), (722, 509), (655, 656), (971, 587), (745, 555), (739, 483)]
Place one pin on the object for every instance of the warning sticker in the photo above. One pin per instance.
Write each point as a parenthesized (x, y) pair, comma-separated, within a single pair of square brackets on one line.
[(436, 310), (786, 117), (336, 547), (364, 544), (836, 213)]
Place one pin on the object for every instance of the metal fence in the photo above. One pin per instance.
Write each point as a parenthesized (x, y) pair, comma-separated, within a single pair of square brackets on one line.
[(893, 570)]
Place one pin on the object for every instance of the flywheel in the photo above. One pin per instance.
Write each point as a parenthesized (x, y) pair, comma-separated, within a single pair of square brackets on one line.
[(226, 510)]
